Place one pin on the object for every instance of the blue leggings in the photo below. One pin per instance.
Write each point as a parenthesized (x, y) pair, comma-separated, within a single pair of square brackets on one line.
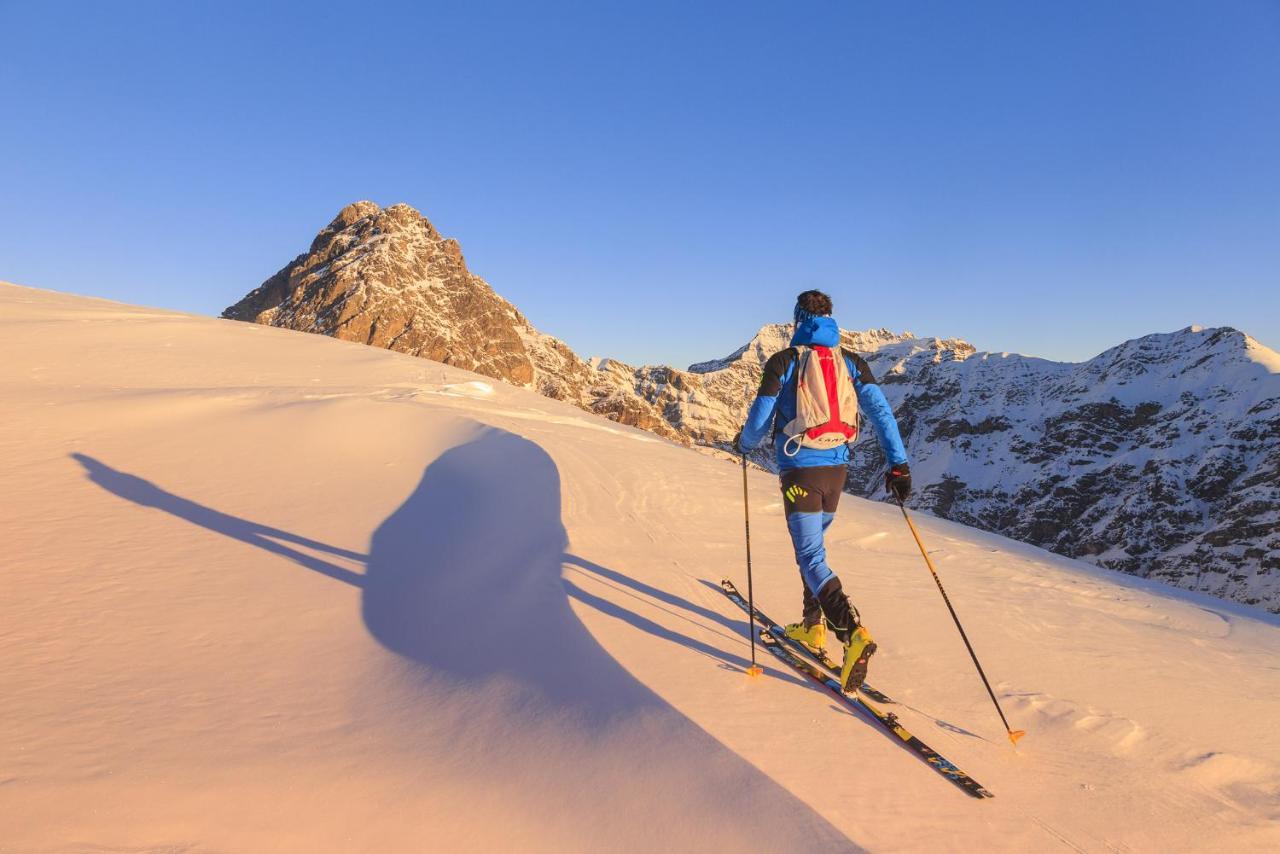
[(807, 530), (810, 497)]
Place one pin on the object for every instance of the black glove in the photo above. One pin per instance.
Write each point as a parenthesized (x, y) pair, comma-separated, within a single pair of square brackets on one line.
[(898, 481), (737, 443)]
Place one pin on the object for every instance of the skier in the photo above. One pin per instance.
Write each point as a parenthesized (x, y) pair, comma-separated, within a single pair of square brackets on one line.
[(810, 395)]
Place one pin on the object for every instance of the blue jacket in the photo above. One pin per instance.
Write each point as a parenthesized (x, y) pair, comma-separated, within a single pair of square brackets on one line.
[(776, 402)]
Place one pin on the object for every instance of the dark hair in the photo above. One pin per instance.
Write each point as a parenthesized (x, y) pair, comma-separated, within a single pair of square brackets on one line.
[(815, 303)]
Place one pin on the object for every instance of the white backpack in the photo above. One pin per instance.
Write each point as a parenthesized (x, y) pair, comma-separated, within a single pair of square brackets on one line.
[(826, 403)]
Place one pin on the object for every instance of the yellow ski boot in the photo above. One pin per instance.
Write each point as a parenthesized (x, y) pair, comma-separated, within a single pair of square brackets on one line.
[(859, 648), (813, 637)]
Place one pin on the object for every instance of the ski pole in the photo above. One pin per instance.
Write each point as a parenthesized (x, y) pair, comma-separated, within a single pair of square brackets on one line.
[(754, 669), (1014, 734)]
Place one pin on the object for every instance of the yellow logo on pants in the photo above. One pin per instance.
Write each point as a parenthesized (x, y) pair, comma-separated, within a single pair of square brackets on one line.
[(796, 491)]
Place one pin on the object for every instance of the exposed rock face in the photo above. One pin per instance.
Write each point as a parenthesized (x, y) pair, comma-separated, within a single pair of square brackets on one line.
[(1160, 457), (387, 278)]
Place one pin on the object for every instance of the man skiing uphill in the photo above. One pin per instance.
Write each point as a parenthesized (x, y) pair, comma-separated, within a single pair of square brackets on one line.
[(810, 395)]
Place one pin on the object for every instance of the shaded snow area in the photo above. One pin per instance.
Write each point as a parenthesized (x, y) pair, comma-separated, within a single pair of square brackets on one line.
[(270, 591)]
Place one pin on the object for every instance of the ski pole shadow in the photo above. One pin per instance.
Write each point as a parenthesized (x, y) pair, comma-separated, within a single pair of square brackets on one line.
[(664, 596), (604, 576), (949, 727), (735, 630), (635, 620)]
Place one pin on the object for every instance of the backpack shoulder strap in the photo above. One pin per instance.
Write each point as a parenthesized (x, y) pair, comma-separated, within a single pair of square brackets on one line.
[(797, 356), (777, 371)]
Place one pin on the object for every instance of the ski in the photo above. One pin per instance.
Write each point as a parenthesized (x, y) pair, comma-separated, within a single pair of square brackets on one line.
[(887, 720), (780, 633)]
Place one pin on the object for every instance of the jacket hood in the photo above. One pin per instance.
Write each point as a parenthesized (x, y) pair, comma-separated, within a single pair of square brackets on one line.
[(822, 331)]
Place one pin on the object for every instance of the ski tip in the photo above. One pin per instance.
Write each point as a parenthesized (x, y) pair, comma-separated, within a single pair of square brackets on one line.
[(755, 670), (1015, 734)]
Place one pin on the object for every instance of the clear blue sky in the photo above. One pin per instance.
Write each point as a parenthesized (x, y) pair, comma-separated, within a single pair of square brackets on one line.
[(652, 181)]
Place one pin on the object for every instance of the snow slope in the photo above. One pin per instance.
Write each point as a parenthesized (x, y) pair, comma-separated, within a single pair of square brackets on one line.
[(266, 590)]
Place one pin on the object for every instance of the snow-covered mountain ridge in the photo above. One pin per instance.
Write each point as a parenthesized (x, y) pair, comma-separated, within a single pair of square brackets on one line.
[(1159, 457)]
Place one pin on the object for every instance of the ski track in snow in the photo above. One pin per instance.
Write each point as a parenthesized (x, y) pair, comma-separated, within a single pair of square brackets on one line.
[(268, 591)]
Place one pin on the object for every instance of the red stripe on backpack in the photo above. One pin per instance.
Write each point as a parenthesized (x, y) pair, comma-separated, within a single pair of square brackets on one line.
[(826, 361)]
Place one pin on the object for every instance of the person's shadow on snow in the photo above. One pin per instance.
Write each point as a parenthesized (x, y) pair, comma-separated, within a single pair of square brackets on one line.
[(147, 494), (465, 579)]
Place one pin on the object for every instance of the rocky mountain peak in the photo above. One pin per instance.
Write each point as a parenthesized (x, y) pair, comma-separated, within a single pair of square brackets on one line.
[(386, 277), (350, 214), (353, 212)]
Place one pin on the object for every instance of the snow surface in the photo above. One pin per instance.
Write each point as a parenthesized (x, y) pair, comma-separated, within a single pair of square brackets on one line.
[(266, 590)]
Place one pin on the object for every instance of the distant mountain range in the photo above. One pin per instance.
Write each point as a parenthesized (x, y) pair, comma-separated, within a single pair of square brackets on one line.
[(1159, 457)]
